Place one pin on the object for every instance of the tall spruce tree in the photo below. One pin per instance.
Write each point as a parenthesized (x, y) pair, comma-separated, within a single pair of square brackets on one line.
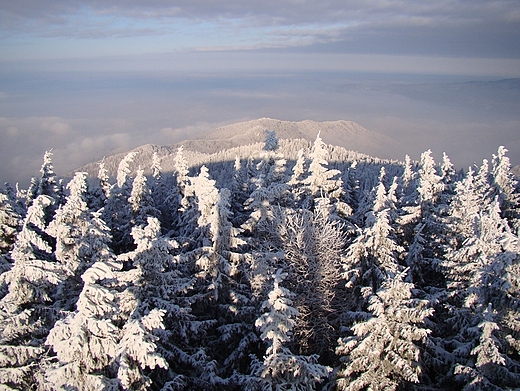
[(280, 368), (384, 353), (117, 212), (482, 283), (26, 311)]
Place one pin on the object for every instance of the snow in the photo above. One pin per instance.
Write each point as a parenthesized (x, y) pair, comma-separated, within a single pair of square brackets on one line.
[(282, 264)]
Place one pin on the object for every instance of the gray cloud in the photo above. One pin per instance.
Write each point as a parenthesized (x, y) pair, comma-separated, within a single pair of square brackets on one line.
[(479, 28), (470, 38)]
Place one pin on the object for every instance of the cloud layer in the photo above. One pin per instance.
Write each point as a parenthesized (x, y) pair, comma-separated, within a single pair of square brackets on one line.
[(479, 28)]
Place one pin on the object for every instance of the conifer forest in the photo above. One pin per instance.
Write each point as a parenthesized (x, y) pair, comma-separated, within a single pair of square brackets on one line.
[(282, 265)]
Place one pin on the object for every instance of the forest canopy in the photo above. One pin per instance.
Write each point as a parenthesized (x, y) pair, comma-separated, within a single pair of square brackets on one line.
[(284, 265)]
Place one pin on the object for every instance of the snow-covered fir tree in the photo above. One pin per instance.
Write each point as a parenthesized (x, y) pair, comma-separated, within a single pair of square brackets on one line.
[(86, 341), (384, 351), (408, 182), (164, 194), (430, 183), (46, 185), (117, 212), (271, 141), (141, 201), (298, 170), (200, 195), (26, 310), (372, 257), (482, 280), (269, 188), (322, 180), (447, 169), (10, 222), (280, 368), (241, 189), (181, 169), (423, 224), (34, 271), (506, 187), (104, 183), (70, 227)]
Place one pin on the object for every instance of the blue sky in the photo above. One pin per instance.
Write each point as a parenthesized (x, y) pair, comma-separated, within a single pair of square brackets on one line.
[(87, 78)]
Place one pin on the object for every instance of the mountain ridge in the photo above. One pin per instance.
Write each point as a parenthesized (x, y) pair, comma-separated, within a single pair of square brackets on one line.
[(342, 133), (347, 134)]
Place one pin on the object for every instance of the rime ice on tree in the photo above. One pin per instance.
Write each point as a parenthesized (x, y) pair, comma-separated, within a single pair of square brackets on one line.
[(281, 368)]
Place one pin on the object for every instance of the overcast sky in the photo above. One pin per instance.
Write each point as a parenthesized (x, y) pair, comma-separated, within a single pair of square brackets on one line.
[(90, 77), (442, 35)]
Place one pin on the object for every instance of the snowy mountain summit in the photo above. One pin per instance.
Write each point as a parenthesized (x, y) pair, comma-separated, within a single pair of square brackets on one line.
[(342, 133), (346, 134)]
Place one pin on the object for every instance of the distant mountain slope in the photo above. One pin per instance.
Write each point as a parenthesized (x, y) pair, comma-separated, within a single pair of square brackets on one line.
[(346, 134)]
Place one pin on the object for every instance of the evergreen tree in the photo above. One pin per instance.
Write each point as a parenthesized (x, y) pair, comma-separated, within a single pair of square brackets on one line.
[(32, 192), (483, 183), (158, 184), (384, 352), (117, 212), (298, 170), (167, 206), (136, 351), (320, 179), (163, 283), (34, 272), (373, 256), (269, 188), (465, 207), (86, 341), (10, 224), (240, 190), (482, 286), (48, 183), (408, 183), (447, 169), (426, 242), (430, 183), (70, 227), (26, 311), (181, 168), (271, 142), (141, 200), (489, 371), (506, 187), (281, 369), (123, 170), (99, 194), (104, 183), (199, 198)]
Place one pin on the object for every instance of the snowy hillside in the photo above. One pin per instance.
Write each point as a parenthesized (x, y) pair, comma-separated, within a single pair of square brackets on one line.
[(228, 140), (279, 264), (347, 134)]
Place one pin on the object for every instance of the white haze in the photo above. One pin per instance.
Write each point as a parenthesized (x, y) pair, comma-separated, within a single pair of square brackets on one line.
[(83, 116)]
